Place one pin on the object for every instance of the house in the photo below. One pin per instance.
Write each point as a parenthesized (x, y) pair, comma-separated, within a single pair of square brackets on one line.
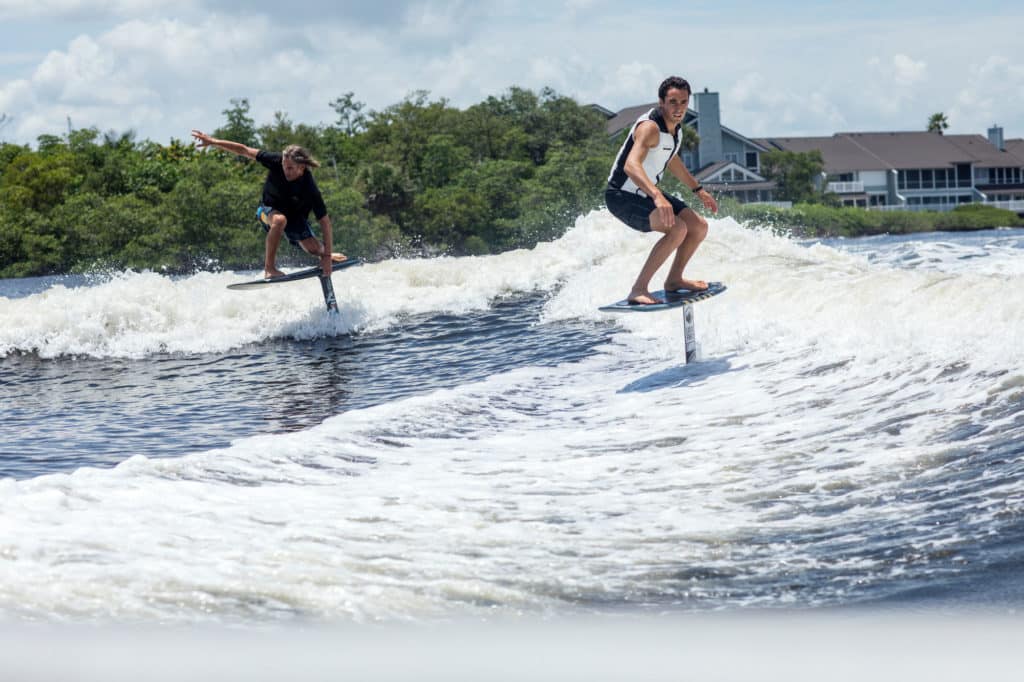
[(907, 170), (915, 170)]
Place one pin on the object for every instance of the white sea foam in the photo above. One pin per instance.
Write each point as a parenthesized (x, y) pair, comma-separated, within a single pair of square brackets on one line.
[(834, 390)]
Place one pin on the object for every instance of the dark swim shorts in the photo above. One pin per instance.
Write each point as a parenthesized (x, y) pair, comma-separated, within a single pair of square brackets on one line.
[(635, 209), (295, 231)]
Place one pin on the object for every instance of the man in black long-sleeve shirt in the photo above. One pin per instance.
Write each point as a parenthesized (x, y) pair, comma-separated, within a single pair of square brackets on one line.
[(289, 194)]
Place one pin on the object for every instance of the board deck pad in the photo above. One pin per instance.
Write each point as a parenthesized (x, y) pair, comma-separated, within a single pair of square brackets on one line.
[(292, 276), (672, 299)]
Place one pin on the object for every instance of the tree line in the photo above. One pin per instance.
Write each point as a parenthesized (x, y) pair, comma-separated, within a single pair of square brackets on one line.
[(420, 176)]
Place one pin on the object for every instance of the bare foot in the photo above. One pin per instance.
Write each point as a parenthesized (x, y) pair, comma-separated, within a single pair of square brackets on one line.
[(270, 273), (338, 257), (688, 284), (642, 298)]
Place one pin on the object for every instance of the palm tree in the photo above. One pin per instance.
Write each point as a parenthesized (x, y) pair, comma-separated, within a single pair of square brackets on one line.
[(937, 123)]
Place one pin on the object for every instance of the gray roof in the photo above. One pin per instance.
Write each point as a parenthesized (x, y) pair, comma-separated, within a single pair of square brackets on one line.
[(841, 154), (1015, 147), (626, 117), (985, 154), (847, 152)]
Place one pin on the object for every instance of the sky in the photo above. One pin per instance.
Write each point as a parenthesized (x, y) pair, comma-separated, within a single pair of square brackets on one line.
[(782, 68)]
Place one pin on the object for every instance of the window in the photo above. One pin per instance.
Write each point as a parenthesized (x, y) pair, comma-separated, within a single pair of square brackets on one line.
[(688, 160), (752, 160), (926, 179), (963, 175), (732, 156), (913, 179), (942, 178)]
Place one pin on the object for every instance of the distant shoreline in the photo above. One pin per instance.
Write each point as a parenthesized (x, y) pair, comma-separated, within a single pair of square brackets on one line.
[(815, 220)]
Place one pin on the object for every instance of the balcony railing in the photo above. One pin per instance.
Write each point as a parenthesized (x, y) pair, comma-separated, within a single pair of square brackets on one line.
[(846, 187), (1017, 206)]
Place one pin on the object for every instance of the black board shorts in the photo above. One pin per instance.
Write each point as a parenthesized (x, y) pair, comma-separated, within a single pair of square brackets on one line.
[(295, 231), (635, 209)]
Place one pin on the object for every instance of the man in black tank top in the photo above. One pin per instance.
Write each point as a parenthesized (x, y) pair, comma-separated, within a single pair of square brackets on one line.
[(634, 198), (289, 194)]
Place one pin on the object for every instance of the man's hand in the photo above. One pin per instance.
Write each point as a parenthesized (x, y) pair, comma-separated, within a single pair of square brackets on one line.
[(666, 214), (708, 200), (202, 139)]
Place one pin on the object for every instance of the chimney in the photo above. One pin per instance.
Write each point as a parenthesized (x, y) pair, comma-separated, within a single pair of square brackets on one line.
[(709, 122), (995, 136)]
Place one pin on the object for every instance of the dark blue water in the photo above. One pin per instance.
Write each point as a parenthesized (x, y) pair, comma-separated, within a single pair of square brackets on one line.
[(64, 413)]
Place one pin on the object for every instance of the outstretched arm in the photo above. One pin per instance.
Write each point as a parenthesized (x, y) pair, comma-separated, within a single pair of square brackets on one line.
[(203, 140), (677, 168)]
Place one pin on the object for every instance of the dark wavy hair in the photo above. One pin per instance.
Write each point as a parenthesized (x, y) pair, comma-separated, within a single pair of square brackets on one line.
[(300, 155), (673, 82)]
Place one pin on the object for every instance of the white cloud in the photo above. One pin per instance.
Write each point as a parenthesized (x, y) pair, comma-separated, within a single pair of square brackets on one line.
[(993, 93), (907, 71), (164, 75), (11, 10)]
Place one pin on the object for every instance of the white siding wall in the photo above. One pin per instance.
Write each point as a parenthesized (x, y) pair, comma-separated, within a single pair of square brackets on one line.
[(872, 178)]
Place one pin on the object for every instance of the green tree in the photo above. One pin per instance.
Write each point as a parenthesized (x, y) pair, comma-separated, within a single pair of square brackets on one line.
[(36, 181), (795, 174), (240, 127), (386, 189), (446, 216), (442, 159), (937, 123), (351, 119)]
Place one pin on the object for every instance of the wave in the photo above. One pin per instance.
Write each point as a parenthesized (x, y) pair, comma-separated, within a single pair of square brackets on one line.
[(780, 291)]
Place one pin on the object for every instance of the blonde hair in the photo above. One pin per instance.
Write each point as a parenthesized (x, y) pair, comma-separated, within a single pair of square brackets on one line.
[(300, 155)]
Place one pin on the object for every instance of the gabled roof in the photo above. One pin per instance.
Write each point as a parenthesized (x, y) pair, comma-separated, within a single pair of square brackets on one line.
[(711, 173), (607, 113), (848, 152), (841, 154), (756, 144), (1016, 147), (985, 154)]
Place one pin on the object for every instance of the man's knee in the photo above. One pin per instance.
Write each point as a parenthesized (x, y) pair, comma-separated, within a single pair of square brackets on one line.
[(278, 222), (696, 225), (678, 232)]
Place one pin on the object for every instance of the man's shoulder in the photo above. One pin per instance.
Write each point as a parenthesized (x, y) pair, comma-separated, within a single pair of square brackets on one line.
[(265, 157), (647, 129)]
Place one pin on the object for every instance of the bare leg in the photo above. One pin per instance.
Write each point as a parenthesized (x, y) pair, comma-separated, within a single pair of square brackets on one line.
[(277, 224), (315, 247), (663, 248), (697, 230)]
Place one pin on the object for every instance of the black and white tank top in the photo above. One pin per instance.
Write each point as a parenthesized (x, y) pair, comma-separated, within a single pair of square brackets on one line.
[(657, 158)]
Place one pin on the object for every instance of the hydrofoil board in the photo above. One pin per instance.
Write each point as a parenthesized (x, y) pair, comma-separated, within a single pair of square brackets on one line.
[(672, 299), (292, 276)]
